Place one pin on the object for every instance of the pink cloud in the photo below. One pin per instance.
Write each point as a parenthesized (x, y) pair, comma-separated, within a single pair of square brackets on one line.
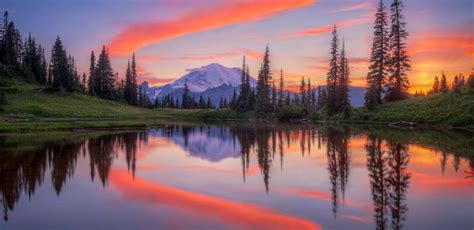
[(141, 34)]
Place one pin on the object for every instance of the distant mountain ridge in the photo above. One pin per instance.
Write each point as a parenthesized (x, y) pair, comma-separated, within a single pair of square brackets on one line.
[(216, 81)]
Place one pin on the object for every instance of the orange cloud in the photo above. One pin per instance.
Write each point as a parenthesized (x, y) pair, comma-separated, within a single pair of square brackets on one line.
[(139, 35), (436, 50), (253, 54), (234, 213)]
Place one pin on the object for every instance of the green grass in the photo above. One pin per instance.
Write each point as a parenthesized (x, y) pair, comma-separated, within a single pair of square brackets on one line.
[(455, 109)]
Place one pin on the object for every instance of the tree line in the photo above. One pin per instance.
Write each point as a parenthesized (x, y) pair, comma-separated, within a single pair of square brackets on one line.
[(27, 58)]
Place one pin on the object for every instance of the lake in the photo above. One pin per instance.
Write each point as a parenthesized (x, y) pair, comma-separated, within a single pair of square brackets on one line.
[(238, 175)]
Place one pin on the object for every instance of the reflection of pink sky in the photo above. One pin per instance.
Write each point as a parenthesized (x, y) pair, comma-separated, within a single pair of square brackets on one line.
[(232, 212)]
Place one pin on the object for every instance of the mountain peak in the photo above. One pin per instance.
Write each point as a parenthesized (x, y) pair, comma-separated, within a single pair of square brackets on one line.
[(209, 76)]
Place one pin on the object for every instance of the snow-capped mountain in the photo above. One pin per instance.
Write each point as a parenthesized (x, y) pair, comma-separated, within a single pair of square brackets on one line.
[(216, 81), (200, 80)]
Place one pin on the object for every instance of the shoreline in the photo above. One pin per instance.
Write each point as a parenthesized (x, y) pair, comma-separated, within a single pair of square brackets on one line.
[(82, 124)]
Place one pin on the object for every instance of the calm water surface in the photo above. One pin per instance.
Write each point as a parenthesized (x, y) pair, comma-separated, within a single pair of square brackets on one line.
[(234, 176)]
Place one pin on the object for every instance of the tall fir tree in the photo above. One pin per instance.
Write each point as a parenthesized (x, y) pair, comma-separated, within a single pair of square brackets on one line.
[(302, 96), (399, 63), (244, 90), (332, 75), (379, 59), (59, 67), (127, 93), (186, 98), (133, 81), (436, 85), (343, 80), (281, 93), (263, 101), (91, 82), (443, 86), (104, 76)]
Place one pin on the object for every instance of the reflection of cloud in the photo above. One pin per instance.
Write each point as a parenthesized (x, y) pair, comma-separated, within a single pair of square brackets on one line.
[(234, 213), (226, 13)]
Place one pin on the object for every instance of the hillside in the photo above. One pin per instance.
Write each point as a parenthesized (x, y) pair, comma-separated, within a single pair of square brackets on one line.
[(27, 100), (449, 109)]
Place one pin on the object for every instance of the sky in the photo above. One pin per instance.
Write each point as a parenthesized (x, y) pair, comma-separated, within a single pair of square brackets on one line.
[(170, 37)]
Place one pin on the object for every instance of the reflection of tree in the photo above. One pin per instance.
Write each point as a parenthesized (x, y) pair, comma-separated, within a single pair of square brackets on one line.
[(23, 170), (377, 165), (263, 155), (399, 180), (338, 163)]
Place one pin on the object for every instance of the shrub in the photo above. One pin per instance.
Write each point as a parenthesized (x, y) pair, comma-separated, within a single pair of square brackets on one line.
[(290, 112)]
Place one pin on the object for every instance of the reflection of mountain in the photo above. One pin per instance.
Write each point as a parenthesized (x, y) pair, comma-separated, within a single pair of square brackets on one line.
[(210, 143)]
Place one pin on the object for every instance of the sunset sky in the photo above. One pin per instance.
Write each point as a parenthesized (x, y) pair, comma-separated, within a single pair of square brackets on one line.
[(170, 36)]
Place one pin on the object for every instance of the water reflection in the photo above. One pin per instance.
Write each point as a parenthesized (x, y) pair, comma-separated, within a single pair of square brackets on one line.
[(26, 160)]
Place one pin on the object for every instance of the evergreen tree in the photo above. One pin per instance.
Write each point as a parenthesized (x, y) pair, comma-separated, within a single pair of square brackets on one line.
[(281, 96), (263, 101), (186, 101), (371, 97), (91, 83), (104, 76), (302, 96), (274, 96), (209, 103), (443, 88), (470, 81), (84, 83), (332, 74), (128, 94), (244, 90), (309, 97), (379, 59), (133, 81), (343, 81), (436, 85), (59, 67), (202, 102), (233, 102), (399, 65), (287, 99), (11, 46)]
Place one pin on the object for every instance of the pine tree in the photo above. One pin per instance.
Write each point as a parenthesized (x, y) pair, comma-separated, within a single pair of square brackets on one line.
[(209, 103), (59, 67), (371, 97), (127, 94), (244, 90), (104, 76), (11, 45), (443, 88), (186, 98), (343, 81), (399, 65), (436, 86), (133, 81), (91, 83), (470, 81), (379, 59), (84, 83), (274, 96), (309, 97), (332, 74), (264, 106), (281, 95), (233, 102), (302, 95)]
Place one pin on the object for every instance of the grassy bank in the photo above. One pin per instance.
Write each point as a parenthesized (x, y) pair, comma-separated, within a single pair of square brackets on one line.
[(454, 109)]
